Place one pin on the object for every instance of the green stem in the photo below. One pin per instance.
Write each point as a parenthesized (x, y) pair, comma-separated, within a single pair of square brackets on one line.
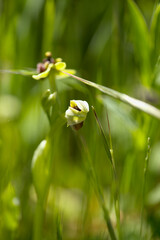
[(52, 81), (117, 210), (144, 185), (38, 220), (116, 194), (55, 124)]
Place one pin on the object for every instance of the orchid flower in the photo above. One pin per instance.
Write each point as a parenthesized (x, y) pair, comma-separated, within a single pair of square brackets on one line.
[(49, 64), (76, 113)]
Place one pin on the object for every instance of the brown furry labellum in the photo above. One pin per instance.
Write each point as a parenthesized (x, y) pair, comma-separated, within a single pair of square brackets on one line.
[(77, 126), (42, 66)]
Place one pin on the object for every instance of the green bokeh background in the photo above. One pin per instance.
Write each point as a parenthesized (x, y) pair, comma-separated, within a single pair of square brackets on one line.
[(113, 43)]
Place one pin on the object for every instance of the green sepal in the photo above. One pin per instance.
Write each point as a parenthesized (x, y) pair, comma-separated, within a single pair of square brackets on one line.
[(43, 74)]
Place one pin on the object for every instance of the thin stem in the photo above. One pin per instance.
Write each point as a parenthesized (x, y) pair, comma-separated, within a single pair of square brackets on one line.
[(55, 124), (144, 184), (109, 151), (98, 191), (106, 145), (116, 194)]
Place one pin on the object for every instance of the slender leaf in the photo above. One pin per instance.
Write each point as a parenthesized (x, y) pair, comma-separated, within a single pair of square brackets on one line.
[(141, 40), (20, 72), (155, 32), (143, 106)]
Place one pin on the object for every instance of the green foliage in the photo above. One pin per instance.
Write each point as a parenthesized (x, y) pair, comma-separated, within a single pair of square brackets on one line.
[(116, 46), (141, 40), (10, 211)]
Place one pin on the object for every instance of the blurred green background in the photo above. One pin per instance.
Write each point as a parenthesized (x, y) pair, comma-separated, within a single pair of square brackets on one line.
[(113, 43)]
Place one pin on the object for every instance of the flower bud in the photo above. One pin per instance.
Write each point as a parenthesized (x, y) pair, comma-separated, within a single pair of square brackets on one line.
[(76, 113), (48, 100)]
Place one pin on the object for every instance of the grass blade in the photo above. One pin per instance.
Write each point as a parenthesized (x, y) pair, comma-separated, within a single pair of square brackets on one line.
[(93, 176), (155, 33), (141, 40), (154, 22), (135, 103), (144, 184), (109, 151), (59, 228), (20, 72)]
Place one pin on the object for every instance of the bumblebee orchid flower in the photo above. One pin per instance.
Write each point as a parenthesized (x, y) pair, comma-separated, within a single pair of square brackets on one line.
[(57, 65), (76, 113)]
